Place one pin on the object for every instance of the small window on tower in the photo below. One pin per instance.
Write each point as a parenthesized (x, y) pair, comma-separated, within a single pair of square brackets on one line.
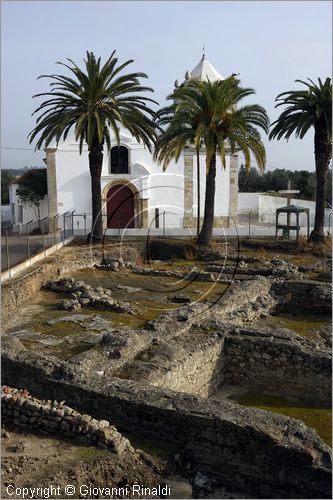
[(119, 160)]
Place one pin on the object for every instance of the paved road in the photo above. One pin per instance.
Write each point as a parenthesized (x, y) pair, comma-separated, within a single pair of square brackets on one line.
[(241, 230)]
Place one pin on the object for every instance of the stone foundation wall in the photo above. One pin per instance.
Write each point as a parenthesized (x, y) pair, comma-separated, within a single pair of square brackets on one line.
[(262, 452), (198, 362), (188, 363), (278, 362), (201, 373), (197, 359), (310, 296), (20, 292), (21, 409)]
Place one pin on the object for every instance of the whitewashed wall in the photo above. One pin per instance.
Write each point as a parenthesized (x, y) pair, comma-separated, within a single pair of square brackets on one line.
[(248, 202), (269, 204), (165, 190), (265, 207)]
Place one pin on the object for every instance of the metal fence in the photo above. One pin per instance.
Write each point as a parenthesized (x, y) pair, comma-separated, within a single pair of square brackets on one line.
[(34, 237), (81, 225)]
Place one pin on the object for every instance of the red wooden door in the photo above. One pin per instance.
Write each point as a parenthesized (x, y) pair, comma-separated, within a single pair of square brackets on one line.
[(120, 207)]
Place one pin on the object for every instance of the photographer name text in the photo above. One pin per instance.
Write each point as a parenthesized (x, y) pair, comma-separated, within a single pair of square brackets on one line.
[(88, 491)]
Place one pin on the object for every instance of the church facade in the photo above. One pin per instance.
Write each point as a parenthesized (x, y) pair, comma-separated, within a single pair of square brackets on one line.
[(136, 193)]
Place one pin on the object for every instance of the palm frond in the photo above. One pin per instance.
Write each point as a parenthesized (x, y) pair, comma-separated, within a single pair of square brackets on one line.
[(92, 101), (208, 113), (304, 109)]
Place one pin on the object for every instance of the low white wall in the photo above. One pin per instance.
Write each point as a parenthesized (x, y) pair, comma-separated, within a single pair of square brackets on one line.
[(248, 202), (269, 204), (265, 206), (6, 215)]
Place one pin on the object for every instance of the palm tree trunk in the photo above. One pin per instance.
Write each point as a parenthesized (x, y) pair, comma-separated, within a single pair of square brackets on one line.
[(95, 166), (323, 155), (208, 223), (198, 191)]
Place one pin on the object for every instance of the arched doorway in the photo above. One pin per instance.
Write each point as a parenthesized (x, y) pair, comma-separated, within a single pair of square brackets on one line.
[(120, 207)]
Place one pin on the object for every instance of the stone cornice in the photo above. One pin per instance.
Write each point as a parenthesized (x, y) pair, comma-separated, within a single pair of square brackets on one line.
[(50, 150), (188, 150)]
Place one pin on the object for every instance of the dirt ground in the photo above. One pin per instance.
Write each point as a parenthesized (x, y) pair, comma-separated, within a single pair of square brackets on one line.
[(37, 460)]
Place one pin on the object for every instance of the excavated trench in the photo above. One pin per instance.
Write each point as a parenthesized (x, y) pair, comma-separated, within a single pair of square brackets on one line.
[(42, 325)]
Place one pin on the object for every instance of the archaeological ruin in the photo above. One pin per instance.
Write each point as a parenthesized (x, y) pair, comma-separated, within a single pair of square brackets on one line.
[(220, 357)]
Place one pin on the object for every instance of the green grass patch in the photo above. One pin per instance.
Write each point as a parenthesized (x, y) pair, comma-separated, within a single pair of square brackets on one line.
[(303, 324), (319, 419)]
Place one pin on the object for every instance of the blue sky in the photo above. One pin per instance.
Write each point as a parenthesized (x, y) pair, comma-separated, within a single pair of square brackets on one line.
[(270, 43)]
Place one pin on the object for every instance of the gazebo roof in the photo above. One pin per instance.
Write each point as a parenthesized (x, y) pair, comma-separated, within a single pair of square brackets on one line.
[(293, 209)]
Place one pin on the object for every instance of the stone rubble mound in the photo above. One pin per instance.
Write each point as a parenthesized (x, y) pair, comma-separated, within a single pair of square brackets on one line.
[(89, 322), (207, 254), (81, 294), (303, 295), (114, 264), (193, 274), (22, 409), (179, 299), (259, 267)]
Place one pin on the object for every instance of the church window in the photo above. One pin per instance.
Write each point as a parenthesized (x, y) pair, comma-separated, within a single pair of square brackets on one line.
[(119, 160)]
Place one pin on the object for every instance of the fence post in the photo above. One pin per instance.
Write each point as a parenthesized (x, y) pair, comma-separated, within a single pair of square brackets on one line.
[(7, 254), (164, 223), (43, 233), (54, 228), (85, 224), (27, 234), (65, 225), (329, 222), (250, 213), (120, 224), (43, 241), (28, 243), (73, 222)]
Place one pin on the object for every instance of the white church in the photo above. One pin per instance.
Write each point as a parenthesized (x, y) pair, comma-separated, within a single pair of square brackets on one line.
[(136, 193)]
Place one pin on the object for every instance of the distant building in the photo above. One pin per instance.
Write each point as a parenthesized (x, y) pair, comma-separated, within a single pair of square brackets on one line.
[(21, 213)]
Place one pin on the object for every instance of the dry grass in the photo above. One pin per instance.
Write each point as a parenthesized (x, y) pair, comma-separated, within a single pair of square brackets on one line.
[(291, 247), (307, 247), (190, 254)]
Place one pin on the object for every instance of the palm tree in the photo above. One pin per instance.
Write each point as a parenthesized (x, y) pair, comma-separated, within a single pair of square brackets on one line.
[(206, 112), (309, 108), (95, 101)]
